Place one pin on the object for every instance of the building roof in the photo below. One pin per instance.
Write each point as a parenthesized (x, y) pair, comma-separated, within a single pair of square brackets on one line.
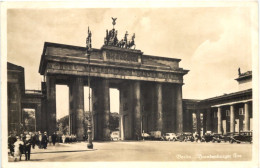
[(243, 76)]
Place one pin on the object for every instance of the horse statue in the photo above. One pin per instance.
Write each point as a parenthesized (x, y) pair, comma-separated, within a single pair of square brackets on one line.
[(121, 43), (132, 42)]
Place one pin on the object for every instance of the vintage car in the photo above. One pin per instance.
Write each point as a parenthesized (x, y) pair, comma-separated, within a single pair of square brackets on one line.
[(186, 136), (146, 136), (228, 136), (207, 137), (114, 136), (170, 137), (156, 135), (217, 138), (245, 136)]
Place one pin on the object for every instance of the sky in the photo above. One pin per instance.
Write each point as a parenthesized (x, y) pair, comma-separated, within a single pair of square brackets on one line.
[(212, 42)]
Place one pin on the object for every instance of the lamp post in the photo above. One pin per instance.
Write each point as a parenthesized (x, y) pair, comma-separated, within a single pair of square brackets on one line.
[(88, 47)]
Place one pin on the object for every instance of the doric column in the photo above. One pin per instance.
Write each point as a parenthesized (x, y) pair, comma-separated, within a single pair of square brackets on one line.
[(246, 117), (208, 121), (106, 130), (198, 121), (43, 115), (38, 117), (232, 118), (159, 122), (78, 101), (51, 105), (137, 109), (219, 121), (43, 109), (71, 111), (179, 114)]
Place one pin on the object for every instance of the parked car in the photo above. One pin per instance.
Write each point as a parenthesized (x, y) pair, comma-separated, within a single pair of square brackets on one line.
[(146, 136), (242, 137), (228, 136), (217, 138), (156, 135), (170, 137), (115, 136), (208, 137), (186, 136)]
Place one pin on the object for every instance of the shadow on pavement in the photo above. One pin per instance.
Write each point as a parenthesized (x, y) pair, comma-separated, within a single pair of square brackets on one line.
[(62, 151)]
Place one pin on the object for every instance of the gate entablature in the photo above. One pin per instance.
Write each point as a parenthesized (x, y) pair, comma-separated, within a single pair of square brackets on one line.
[(109, 62)]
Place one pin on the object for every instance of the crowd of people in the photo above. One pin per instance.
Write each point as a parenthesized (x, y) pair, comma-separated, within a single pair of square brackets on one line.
[(22, 144)]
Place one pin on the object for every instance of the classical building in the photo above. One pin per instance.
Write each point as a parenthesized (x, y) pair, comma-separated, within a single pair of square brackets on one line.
[(226, 113), (150, 92), (19, 99)]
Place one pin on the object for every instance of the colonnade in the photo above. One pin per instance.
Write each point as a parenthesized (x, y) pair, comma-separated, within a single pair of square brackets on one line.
[(237, 114), (166, 107)]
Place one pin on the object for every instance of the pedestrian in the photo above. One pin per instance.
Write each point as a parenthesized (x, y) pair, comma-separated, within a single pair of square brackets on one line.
[(50, 140), (33, 140), (18, 147), (63, 138), (11, 140), (27, 145), (44, 140), (54, 138), (40, 140)]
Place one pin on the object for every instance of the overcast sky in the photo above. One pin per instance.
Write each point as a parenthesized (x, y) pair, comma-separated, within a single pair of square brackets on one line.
[(212, 42)]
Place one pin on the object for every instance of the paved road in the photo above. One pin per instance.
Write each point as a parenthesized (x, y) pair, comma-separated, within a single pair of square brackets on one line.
[(144, 151)]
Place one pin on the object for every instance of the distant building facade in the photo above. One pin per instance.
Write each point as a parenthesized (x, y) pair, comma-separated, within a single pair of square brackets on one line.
[(231, 112), (18, 98)]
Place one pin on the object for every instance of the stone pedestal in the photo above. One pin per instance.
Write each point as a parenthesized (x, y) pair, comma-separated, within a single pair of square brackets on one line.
[(179, 114), (51, 105), (232, 118), (137, 109), (219, 121)]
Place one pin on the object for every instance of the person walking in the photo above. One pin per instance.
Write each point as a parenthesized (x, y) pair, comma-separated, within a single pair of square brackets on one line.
[(54, 138), (40, 140), (50, 140), (27, 145), (44, 140), (11, 141), (33, 140), (18, 146), (63, 138)]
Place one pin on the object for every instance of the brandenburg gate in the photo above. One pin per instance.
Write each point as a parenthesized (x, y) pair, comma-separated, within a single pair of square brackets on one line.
[(150, 87)]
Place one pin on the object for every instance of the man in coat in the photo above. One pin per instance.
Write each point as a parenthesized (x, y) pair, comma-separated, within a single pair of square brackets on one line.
[(54, 138), (27, 147), (44, 140)]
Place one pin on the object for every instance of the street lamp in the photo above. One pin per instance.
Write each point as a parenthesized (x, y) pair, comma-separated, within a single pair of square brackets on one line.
[(88, 50)]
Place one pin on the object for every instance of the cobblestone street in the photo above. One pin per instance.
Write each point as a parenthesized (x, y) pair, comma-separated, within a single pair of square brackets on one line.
[(143, 151)]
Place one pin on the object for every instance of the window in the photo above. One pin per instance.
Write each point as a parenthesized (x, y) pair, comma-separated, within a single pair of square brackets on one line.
[(215, 114), (227, 113), (241, 111)]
